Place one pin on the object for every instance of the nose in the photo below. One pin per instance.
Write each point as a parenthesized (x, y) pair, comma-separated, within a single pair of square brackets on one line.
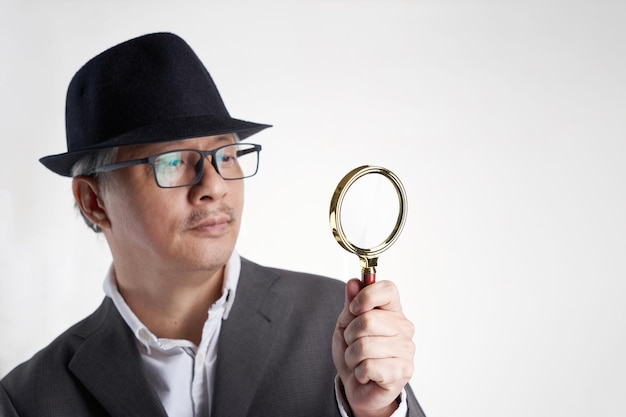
[(211, 185)]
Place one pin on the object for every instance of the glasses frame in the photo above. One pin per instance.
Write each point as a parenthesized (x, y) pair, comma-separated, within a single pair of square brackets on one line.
[(199, 166)]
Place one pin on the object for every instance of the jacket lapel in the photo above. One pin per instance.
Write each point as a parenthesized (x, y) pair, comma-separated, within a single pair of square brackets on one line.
[(247, 338), (109, 366)]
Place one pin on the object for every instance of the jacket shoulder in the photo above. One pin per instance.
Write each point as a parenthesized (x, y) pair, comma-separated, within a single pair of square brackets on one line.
[(48, 371), (303, 289), (293, 278)]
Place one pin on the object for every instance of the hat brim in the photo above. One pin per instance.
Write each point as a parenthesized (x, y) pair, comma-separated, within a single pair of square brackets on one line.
[(167, 131)]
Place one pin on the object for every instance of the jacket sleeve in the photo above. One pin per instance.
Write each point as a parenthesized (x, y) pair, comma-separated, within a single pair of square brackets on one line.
[(415, 410), (6, 406)]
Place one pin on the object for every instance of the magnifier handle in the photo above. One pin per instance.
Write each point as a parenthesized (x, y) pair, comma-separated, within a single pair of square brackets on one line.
[(368, 271), (368, 277)]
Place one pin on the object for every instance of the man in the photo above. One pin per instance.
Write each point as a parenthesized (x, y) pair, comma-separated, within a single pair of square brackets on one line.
[(188, 328)]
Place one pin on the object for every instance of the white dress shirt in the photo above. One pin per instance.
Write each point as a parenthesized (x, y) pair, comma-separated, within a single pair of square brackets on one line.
[(182, 373)]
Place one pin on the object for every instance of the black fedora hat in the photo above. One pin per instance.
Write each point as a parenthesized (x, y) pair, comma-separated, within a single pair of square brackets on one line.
[(150, 89)]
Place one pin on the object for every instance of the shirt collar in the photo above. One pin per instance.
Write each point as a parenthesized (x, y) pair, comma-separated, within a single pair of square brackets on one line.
[(141, 332)]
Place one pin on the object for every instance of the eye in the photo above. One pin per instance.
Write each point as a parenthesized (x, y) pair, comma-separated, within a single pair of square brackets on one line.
[(170, 160), (228, 156)]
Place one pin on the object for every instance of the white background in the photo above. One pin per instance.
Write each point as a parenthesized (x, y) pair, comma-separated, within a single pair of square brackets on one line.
[(505, 121)]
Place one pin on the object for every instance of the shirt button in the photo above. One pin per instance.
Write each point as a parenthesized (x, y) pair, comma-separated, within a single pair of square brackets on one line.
[(200, 359), (144, 335)]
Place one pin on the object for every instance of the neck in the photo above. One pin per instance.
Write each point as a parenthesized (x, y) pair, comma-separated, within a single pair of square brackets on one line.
[(173, 306)]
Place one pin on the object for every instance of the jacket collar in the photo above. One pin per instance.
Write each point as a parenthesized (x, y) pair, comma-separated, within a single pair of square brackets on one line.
[(108, 364), (247, 338)]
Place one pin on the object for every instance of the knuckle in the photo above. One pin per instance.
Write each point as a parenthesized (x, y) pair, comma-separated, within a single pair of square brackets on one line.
[(364, 322), (389, 287), (409, 328), (359, 349), (411, 349), (406, 372), (363, 370)]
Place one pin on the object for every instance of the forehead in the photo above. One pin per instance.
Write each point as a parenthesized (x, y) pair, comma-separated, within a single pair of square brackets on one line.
[(200, 143)]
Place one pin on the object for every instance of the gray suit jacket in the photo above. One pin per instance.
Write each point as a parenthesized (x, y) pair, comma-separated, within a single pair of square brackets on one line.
[(274, 358)]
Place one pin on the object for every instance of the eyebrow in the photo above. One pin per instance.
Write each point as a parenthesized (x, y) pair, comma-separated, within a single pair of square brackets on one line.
[(229, 137)]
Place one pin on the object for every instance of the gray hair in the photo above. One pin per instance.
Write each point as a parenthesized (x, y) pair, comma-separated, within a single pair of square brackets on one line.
[(86, 166)]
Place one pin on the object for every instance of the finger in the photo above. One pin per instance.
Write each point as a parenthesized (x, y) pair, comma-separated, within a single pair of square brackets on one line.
[(353, 287), (381, 294), (374, 348), (389, 373), (351, 291), (339, 345), (379, 323)]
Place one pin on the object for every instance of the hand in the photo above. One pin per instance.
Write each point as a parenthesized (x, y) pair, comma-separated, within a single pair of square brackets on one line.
[(373, 348)]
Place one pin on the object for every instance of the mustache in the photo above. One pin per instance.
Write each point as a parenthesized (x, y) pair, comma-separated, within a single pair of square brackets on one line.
[(198, 216)]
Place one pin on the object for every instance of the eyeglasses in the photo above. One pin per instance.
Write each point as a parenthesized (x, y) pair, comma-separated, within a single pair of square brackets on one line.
[(184, 167)]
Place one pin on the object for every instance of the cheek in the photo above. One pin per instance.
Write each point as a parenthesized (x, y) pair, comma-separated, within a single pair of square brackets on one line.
[(139, 211), (145, 228)]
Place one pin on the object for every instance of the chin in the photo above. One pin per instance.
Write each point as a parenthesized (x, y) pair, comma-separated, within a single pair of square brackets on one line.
[(212, 258)]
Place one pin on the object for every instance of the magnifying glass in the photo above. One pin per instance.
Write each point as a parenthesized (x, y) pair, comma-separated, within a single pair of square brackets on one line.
[(367, 251)]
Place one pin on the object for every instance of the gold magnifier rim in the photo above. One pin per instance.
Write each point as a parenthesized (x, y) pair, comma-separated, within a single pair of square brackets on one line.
[(337, 201)]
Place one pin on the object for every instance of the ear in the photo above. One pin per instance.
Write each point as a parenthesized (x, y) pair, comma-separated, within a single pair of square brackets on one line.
[(87, 195)]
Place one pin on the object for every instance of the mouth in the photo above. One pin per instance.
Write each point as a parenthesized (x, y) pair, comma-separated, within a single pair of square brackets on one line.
[(211, 223), (212, 227)]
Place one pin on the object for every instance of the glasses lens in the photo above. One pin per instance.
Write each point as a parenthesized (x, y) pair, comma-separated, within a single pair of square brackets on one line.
[(181, 168), (174, 169), (237, 161)]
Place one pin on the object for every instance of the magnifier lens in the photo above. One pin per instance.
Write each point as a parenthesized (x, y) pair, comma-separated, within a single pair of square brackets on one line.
[(369, 211)]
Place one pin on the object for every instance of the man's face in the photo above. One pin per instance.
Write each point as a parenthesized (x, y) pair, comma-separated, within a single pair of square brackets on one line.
[(182, 229)]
